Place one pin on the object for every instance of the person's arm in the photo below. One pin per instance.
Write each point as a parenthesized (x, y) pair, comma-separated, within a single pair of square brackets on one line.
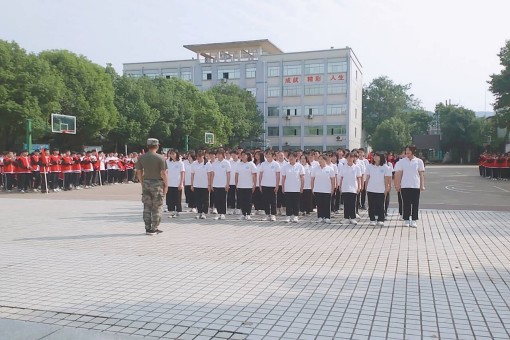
[(283, 183), (333, 182), (210, 178), (227, 186), (260, 178), (387, 184), (302, 178), (254, 177), (360, 183), (367, 180), (422, 180), (192, 180), (277, 182), (139, 174), (398, 180), (164, 176), (312, 183), (237, 178), (181, 182)]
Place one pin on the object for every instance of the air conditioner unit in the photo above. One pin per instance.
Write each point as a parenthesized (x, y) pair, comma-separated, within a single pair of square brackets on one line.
[(310, 116), (287, 117), (339, 138)]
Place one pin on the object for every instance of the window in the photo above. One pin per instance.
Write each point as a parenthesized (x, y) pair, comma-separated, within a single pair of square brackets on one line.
[(134, 75), (273, 131), (313, 111), (170, 74), (151, 75), (273, 71), (292, 130), (337, 88), (292, 91), (313, 130), (291, 70), (250, 72), (186, 75), (273, 111), (273, 92), (337, 66), (336, 109), (253, 91), (314, 68), (291, 111), (313, 147), (229, 74), (314, 90), (355, 113), (335, 130), (206, 74), (355, 131)]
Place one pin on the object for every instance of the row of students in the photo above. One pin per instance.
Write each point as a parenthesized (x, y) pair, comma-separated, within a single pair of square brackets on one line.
[(494, 165)]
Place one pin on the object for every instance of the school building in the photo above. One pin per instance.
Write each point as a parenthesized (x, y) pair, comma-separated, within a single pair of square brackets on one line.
[(310, 100)]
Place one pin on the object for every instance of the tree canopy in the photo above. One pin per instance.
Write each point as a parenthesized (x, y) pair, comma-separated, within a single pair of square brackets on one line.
[(500, 87)]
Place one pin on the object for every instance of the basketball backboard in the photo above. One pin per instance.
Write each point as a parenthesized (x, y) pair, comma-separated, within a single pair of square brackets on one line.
[(63, 124), (209, 138)]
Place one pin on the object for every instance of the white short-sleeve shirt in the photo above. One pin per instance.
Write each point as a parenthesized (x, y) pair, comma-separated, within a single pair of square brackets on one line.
[(349, 176), (233, 167), (220, 170), (292, 175), (308, 176), (268, 171), (201, 174), (245, 173), (410, 172), (187, 172), (323, 176), (378, 174), (173, 171)]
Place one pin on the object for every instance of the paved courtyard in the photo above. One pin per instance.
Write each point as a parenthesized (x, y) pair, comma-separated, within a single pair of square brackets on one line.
[(84, 269)]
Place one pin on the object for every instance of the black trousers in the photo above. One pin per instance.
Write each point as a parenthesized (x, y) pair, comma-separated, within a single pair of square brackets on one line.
[(36, 177), (349, 205), (68, 179), (55, 180), (104, 177), (280, 198), (87, 178), (386, 204), (202, 200), (323, 204), (121, 176), (306, 204), (190, 197), (337, 198), (45, 178), (112, 175), (269, 200), (9, 181), (244, 200), (376, 206), (257, 199), (130, 173), (363, 197), (220, 200), (292, 203), (211, 199), (411, 203), (399, 194), (231, 197), (23, 181), (173, 199)]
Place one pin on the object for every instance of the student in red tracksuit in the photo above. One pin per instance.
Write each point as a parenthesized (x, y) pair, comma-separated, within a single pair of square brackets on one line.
[(87, 168), (9, 170), (121, 166), (76, 170), (44, 166), (36, 171), (55, 170), (24, 171), (67, 170)]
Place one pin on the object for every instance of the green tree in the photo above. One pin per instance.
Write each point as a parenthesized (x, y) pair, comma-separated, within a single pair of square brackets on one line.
[(391, 135), (29, 89), (240, 107), (500, 87), (417, 121), (88, 94), (383, 99)]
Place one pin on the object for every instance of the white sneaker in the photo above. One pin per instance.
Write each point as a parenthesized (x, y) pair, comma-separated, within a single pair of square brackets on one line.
[(215, 211), (371, 223), (248, 217), (194, 210), (272, 218), (230, 212), (414, 224), (237, 212), (198, 216), (341, 208), (203, 217), (380, 223), (353, 221), (327, 220), (296, 219), (265, 218), (222, 217), (358, 216), (287, 220), (217, 218), (165, 210), (407, 223)]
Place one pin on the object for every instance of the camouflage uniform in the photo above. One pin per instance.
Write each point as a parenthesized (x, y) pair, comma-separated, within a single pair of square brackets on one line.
[(152, 198)]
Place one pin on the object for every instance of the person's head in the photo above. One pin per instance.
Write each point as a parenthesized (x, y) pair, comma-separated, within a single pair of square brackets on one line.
[(192, 157), (351, 157), (212, 156), (281, 156), (410, 151), (153, 144), (68, 153), (379, 158), (173, 155), (340, 153), (234, 155), (246, 156), (304, 160), (36, 152), (334, 158), (361, 153), (292, 158), (56, 152), (201, 157), (24, 153), (323, 160), (220, 154), (269, 155)]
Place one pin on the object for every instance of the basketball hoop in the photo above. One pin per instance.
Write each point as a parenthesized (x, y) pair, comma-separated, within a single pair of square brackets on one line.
[(65, 132)]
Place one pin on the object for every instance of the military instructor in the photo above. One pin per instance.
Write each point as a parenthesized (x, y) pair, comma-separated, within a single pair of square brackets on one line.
[(151, 172)]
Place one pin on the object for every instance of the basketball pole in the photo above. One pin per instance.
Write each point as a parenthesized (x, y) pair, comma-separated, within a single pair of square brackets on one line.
[(29, 135)]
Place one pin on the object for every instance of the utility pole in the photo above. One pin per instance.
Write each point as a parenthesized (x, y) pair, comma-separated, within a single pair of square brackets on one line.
[(29, 135), (186, 143)]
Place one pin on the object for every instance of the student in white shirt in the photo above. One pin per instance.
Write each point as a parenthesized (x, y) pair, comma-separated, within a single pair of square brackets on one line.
[(200, 184), (232, 192), (111, 166), (246, 181), (306, 204), (323, 186), (190, 195), (410, 181), (280, 196), (331, 162), (387, 201), (350, 185), (212, 158), (269, 182), (378, 187), (293, 181), (363, 192), (175, 172), (258, 160), (220, 182)]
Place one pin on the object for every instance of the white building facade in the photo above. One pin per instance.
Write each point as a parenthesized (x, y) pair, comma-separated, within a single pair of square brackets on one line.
[(310, 100)]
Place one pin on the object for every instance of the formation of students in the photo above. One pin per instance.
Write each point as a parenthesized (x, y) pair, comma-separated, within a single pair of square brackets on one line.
[(495, 166), (294, 184), (52, 171)]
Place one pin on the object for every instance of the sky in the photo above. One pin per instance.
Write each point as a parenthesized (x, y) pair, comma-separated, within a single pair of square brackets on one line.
[(445, 48)]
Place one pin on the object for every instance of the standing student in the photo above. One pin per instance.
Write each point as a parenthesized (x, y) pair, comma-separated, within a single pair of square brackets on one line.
[(410, 181), (246, 181), (67, 169), (200, 184), (55, 170), (232, 192), (190, 195), (280, 196), (363, 192), (76, 168), (175, 171), (323, 186), (111, 166), (269, 182), (331, 161), (306, 203), (36, 170), (258, 160), (24, 171), (350, 185), (387, 198), (378, 187), (219, 183), (212, 158), (87, 168), (293, 182)]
